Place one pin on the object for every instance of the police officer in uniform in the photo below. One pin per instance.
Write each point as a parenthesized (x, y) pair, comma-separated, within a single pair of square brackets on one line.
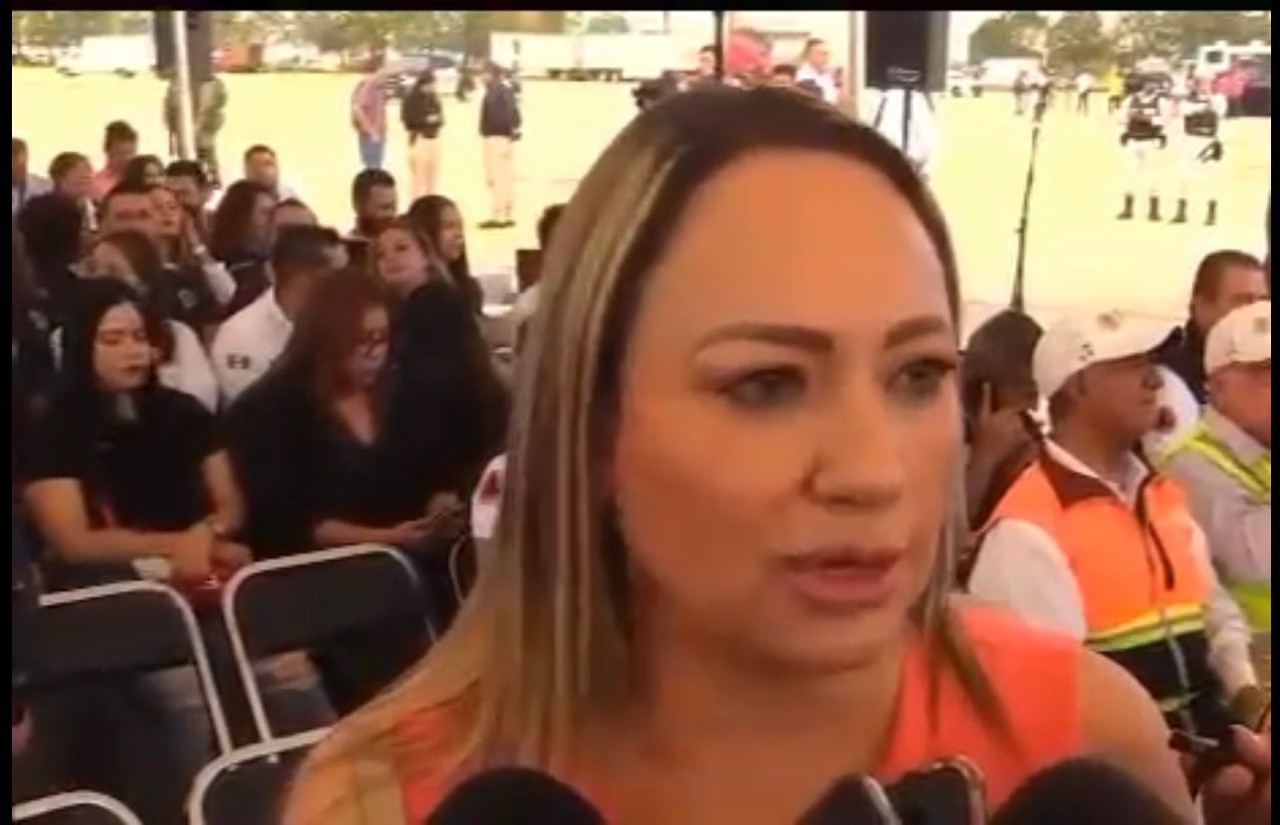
[(1201, 149), (1143, 137)]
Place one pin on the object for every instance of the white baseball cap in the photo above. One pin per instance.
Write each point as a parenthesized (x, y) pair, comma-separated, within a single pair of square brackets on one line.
[(1242, 337), (1079, 341)]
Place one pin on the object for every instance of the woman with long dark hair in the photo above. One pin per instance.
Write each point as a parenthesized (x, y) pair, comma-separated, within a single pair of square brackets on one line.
[(241, 237), (131, 258), (452, 399), (438, 218), (198, 285), (723, 579), (321, 415), (125, 478), (323, 465)]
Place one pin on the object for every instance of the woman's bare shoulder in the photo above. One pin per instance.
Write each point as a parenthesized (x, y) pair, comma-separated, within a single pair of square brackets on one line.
[(1123, 726)]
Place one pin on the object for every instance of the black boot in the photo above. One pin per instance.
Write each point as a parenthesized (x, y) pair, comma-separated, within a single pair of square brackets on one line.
[(1153, 209), (1126, 214), (1211, 215), (1181, 216)]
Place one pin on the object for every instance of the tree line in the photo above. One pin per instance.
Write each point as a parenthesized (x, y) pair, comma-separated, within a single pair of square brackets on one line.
[(334, 31), (1079, 40), (1076, 40)]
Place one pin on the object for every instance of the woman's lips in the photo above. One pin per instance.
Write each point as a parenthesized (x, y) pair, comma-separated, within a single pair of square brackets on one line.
[(842, 580)]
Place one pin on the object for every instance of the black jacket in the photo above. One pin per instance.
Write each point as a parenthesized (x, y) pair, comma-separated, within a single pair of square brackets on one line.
[(422, 114), (499, 112), (1183, 352)]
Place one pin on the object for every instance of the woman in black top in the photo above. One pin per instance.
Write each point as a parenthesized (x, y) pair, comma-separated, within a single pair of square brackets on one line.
[(121, 468), (438, 218), (241, 237), (423, 116), (311, 439)]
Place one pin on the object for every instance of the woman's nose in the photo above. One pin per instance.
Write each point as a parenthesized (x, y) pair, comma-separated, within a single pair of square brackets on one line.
[(858, 456)]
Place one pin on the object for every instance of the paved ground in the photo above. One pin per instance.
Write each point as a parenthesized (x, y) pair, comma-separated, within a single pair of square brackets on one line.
[(1078, 255)]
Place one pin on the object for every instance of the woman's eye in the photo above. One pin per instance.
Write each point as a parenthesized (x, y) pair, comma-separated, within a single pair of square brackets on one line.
[(921, 380), (766, 389)]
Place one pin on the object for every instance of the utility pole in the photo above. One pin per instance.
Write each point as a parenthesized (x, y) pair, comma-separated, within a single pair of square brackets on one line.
[(855, 72), (182, 66)]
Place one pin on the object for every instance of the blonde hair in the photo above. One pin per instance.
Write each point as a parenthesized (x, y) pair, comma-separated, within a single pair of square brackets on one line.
[(543, 640)]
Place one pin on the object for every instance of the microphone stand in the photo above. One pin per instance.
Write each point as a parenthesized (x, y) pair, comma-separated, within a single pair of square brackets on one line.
[(1017, 300), (906, 81)]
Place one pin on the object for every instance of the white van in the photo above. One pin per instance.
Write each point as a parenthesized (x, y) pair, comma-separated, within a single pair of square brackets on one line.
[(125, 55)]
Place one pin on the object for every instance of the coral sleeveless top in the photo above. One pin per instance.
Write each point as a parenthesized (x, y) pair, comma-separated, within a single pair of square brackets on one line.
[(1035, 676)]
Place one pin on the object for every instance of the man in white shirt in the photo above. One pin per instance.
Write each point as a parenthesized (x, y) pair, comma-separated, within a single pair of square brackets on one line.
[(262, 166), (1091, 542), (815, 67), (251, 340), (1225, 465)]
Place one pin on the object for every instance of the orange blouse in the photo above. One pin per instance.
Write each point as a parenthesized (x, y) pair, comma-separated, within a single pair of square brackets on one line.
[(1034, 674)]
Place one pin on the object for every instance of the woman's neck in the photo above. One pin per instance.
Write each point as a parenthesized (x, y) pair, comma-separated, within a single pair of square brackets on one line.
[(722, 734), (697, 700)]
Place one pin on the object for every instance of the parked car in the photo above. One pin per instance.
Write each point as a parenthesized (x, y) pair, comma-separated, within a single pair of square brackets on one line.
[(402, 73), (963, 83)]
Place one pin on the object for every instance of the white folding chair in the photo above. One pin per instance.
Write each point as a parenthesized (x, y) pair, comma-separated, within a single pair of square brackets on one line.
[(68, 651), (312, 597), (72, 800), (245, 787)]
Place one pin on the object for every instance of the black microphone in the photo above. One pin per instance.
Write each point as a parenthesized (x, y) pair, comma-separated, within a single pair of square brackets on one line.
[(514, 796), (948, 792), (1084, 792), (852, 800)]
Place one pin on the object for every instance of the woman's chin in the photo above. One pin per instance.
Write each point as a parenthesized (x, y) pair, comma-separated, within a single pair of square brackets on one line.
[(832, 646)]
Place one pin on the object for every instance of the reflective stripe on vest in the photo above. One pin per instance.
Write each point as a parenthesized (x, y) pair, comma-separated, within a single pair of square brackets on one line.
[(1254, 598), (1141, 587), (1148, 628)]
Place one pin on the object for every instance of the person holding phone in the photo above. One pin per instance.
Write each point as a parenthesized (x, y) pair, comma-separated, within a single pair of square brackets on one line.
[(999, 397)]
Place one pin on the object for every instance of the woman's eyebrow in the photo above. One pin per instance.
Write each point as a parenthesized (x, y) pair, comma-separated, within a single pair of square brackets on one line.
[(910, 329), (786, 335)]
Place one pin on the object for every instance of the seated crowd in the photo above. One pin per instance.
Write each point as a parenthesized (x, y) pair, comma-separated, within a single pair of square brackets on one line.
[(197, 387)]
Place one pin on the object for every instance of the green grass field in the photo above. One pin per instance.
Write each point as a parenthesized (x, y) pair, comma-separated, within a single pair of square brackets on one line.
[(1078, 256)]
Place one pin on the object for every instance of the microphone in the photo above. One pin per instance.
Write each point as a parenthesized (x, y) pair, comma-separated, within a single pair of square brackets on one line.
[(1083, 792), (513, 796), (852, 800), (948, 792)]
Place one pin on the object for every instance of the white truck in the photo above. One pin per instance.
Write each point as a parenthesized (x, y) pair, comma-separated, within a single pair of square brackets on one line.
[(125, 55), (610, 57)]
